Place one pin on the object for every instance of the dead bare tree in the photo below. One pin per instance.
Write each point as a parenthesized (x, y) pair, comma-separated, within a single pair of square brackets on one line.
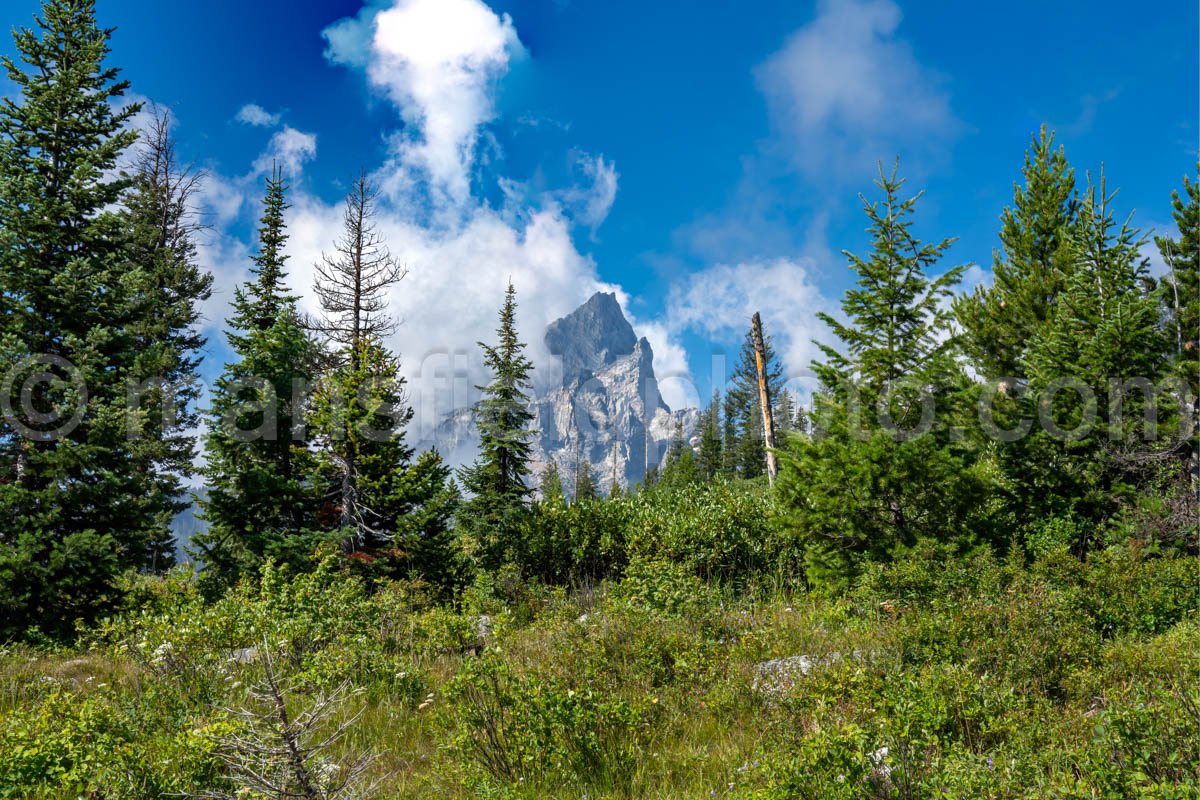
[(283, 755), (352, 283), (764, 398)]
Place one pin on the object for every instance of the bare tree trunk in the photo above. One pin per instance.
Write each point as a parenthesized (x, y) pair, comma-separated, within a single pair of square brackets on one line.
[(764, 398)]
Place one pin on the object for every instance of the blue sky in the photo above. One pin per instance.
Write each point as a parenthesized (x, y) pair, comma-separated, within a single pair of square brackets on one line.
[(703, 159)]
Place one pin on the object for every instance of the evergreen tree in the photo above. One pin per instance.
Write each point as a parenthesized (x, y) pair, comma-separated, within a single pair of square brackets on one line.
[(676, 445), (161, 229), (681, 468), (710, 457), (1104, 330), (357, 416), (586, 487), (651, 478), (74, 512), (894, 328), (423, 501), (497, 479), (785, 414), (260, 502), (1031, 269), (1181, 285), (550, 484), (864, 487), (730, 446)]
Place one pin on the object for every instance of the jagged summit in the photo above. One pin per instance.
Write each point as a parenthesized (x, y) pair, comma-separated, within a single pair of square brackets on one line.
[(592, 336), (608, 411)]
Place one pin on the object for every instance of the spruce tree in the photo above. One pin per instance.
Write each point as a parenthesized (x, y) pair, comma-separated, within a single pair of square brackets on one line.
[(586, 487), (74, 511), (550, 485), (1180, 293), (894, 321), (710, 457), (869, 484), (423, 500), (260, 502), (497, 479), (749, 454), (1181, 284), (161, 229), (730, 441), (785, 414), (681, 468), (1104, 330), (357, 418), (1031, 268)]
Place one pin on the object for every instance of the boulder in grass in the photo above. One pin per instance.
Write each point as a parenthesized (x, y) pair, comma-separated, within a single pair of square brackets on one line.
[(244, 655)]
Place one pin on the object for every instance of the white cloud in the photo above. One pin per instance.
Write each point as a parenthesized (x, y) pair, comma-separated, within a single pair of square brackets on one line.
[(845, 92), (719, 302), (437, 60), (455, 284), (256, 115), (289, 149), (586, 202), (220, 199), (592, 203)]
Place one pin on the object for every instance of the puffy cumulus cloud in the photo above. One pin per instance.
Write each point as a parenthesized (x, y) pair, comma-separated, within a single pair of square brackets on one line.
[(450, 298), (221, 199), (437, 60), (845, 91), (289, 149), (257, 116), (719, 301)]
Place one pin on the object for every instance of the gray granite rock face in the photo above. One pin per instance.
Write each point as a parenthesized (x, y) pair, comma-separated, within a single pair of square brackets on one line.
[(608, 410)]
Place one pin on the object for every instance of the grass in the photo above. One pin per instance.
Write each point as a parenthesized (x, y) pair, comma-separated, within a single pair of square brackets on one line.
[(982, 678)]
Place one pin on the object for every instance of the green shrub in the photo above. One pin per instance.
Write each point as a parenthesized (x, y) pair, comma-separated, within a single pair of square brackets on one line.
[(718, 531), (569, 543), (537, 731)]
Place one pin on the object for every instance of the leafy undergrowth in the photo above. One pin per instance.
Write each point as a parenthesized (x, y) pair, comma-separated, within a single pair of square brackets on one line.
[(935, 676)]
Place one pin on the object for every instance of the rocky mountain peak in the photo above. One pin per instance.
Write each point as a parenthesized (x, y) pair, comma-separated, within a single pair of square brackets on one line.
[(608, 411), (591, 337)]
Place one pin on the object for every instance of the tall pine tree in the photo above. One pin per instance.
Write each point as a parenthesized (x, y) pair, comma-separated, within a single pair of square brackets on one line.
[(73, 511), (1104, 330), (710, 458), (358, 411), (161, 227), (260, 502), (1031, 268), (880, 475), (1181, 284), (497, 479)]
